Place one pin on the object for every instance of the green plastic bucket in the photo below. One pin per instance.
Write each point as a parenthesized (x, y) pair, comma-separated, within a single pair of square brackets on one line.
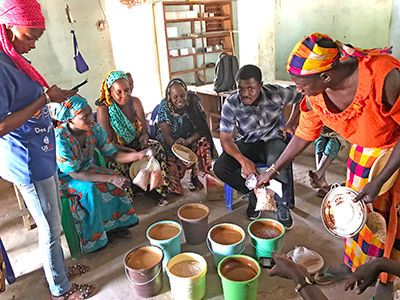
[(239, 275), (266, 235), (184, 285)]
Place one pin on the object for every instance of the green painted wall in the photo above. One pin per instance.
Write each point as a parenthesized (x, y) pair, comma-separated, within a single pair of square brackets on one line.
[(53, 56), (362, 23)]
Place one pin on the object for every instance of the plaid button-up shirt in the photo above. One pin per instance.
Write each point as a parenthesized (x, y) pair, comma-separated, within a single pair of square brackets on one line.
[(261, 122)]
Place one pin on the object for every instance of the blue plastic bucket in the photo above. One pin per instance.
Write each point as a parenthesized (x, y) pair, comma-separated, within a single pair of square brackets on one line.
[(171, 245), (227, 243)]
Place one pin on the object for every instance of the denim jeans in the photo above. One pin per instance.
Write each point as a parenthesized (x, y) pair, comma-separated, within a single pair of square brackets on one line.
[(42, 199), (267, 152)]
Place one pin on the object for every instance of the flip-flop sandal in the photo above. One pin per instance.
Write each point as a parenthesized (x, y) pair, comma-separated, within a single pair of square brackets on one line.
[(162, 202), (326, 278), (124, 234), (86, 291), (71, 270)]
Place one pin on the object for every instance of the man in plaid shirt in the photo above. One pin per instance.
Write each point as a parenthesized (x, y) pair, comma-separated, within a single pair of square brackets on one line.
[(256, 111)]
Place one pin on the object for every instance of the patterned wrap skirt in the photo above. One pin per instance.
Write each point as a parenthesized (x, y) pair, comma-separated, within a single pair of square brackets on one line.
[(159, 155), (97, 208), (363, 247), (177, 168)]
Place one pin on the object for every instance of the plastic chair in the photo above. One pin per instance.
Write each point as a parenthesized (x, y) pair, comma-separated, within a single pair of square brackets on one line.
[(98, 158), (69, 228)]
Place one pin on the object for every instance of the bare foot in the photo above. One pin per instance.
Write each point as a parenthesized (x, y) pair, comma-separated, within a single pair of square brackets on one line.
[(317, 182), (77, 292)]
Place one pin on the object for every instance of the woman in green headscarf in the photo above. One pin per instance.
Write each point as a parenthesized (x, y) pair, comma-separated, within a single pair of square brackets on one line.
[(122, 117), (101, 209)]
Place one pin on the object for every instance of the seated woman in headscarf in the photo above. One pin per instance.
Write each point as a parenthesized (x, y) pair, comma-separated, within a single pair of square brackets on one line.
[(122, 117), (101, 210), (183, 121)]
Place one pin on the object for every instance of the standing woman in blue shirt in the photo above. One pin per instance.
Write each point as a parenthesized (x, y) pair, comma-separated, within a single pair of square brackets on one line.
[(27, 143)]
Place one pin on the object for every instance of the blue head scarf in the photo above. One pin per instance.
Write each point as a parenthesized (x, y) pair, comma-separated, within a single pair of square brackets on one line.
[(69, 108)]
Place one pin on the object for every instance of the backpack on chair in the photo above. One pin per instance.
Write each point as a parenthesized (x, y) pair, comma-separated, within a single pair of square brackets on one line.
[(226, 68)]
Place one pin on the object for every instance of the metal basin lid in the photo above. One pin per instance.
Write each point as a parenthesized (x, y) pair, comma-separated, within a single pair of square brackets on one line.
[(340, 215)]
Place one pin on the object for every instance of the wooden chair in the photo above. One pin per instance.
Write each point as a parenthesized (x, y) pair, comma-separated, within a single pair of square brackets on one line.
[(29, 223)]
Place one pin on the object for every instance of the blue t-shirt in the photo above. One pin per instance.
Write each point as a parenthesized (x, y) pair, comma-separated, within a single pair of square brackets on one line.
[(27, 153)]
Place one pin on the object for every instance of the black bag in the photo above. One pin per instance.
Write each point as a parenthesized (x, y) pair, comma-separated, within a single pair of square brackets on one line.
[(226, 68), (80, 63)]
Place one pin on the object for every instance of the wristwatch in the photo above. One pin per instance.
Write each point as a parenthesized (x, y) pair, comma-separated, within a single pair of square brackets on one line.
[(308, 280)]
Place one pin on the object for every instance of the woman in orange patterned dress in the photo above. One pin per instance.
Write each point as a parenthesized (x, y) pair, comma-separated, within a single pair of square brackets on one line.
[(356, 93)]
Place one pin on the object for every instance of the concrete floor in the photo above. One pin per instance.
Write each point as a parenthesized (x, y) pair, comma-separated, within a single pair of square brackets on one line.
[(107, 270)]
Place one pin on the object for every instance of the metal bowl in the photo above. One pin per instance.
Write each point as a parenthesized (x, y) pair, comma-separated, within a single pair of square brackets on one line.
[(341, 216)]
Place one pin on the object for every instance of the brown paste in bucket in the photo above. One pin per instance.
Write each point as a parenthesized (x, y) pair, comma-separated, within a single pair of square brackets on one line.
[(226, 235), (143, 258), (265, 230), (164, 231), (193, 212)]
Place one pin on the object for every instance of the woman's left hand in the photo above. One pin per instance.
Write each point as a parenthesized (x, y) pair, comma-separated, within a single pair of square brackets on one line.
[(144, 141), (183, 142), (369, 192), (364, 277)]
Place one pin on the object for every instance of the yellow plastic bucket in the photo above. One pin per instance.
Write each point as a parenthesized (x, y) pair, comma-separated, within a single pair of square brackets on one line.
[(183, 285)]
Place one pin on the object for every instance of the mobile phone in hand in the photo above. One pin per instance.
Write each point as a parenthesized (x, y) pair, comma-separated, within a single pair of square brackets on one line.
[(266, 262), (79, 85)]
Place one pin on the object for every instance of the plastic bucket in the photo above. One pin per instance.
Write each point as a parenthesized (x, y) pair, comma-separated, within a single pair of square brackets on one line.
[(194, 220), (225, 239), (183, 285), (143, 267), (239, 275), (266, 236), (166, 235)]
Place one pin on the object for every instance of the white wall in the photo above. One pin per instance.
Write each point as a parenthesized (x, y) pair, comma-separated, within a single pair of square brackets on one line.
[(362, 23), (53, 56), (132, 41), (256, 22)]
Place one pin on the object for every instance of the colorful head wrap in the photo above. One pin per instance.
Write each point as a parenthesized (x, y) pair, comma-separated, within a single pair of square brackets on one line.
[(68, 109), (111, 77), (308, 57), (174, 81), (24, 13)]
